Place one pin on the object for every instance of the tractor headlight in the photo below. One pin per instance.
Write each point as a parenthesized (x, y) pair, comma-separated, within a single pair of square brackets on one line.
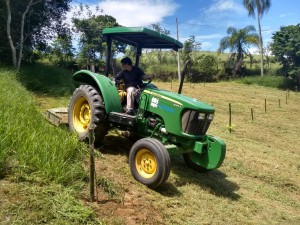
[(210, 116), (201, 116)]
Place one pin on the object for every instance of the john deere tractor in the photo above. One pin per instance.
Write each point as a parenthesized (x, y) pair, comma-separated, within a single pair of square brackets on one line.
[(164, 123)]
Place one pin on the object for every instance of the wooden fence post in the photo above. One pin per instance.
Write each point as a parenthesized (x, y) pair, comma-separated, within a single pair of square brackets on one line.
[(229, 117), (265, 105), (92, 163)]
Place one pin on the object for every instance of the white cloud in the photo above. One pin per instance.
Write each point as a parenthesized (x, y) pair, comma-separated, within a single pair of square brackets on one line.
[(138, 12), (225, 6), (254, 50), (286, 15), (210, 36), (207, 46), (127, 12), (130, 13), (221, 14)]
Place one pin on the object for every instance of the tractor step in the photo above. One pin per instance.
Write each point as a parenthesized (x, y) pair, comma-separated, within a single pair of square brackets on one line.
[(122, 119), (57, 116)]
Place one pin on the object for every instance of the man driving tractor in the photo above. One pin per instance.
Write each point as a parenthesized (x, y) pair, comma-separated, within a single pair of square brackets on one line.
[(133, 77)]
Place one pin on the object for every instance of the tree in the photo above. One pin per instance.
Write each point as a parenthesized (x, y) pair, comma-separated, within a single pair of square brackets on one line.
[(189, 46), (29, 22), (207, 68), (158, 52), (62, 50), (286, 49), (238, 42), (267, 53), (261, 7), (92, 43)]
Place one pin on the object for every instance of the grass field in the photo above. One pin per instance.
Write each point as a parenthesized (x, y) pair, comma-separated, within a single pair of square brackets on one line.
[(258, 182)]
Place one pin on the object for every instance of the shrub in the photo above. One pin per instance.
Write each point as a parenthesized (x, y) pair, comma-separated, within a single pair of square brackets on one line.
[(269, 81)]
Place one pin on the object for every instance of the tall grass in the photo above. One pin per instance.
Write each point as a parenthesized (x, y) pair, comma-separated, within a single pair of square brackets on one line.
[(47, 79), (30, 147)]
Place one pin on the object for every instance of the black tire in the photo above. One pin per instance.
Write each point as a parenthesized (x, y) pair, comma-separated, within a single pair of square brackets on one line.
[(86, 109), (149, 162), (188, 158), (167, 161)]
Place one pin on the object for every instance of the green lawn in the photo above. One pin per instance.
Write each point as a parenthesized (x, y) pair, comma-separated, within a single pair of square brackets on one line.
[(44, 181)]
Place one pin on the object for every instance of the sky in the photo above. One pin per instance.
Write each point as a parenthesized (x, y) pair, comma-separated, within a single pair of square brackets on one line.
[(207, 20)]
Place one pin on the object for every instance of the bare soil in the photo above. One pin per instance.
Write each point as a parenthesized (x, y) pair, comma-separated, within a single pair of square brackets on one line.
[(122, 200)]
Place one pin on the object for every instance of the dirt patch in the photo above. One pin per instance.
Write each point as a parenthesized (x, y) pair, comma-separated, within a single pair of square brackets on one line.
[(120, 199), (8, 197), (134, 209)]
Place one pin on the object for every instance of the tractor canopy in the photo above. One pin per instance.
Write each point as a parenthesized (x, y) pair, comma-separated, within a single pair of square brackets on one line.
[(140, 38)]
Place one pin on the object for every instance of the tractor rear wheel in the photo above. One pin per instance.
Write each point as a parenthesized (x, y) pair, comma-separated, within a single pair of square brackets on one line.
[(86, 110), (191, 160), (149, 162)]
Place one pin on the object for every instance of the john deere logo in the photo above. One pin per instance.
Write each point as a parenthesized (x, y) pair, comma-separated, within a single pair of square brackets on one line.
[(154, 102)]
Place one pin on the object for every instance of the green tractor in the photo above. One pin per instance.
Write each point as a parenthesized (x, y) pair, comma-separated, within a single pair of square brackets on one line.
[(164, 123)]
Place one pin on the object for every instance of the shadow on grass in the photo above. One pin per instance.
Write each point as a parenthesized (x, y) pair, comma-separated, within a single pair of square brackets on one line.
[(168, 189), (214, 181), (115, 144)]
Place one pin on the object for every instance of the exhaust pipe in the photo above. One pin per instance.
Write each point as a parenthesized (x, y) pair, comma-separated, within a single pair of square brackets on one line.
[(183, 76)]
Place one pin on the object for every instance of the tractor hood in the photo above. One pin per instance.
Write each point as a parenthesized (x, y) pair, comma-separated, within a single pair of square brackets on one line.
[(179, 100), (182, 115)]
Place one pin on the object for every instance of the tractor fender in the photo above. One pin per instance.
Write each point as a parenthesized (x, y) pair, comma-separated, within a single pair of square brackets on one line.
[(106, 87)]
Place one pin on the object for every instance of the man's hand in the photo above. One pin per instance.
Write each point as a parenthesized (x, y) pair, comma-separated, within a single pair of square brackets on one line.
[(117, 82), (137, 92), (146, 77)]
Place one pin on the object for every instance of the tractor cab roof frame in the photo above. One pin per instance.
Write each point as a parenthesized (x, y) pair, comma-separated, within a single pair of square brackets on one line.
[(140, 38)]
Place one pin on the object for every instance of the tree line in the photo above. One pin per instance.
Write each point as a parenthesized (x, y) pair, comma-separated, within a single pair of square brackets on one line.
[(28, 26)]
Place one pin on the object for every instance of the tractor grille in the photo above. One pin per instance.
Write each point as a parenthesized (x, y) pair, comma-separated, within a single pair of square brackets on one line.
[(195, 123)]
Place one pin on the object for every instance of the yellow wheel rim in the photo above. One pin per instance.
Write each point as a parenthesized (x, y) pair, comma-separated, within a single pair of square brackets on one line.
[(145, 163), (81, 115)]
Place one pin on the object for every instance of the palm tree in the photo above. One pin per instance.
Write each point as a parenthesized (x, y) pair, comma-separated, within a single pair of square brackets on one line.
[(238, 41), (261, 7)]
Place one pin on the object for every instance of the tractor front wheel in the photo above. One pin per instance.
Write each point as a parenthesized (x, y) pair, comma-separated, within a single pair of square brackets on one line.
[(86, 110), (149, 162)]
